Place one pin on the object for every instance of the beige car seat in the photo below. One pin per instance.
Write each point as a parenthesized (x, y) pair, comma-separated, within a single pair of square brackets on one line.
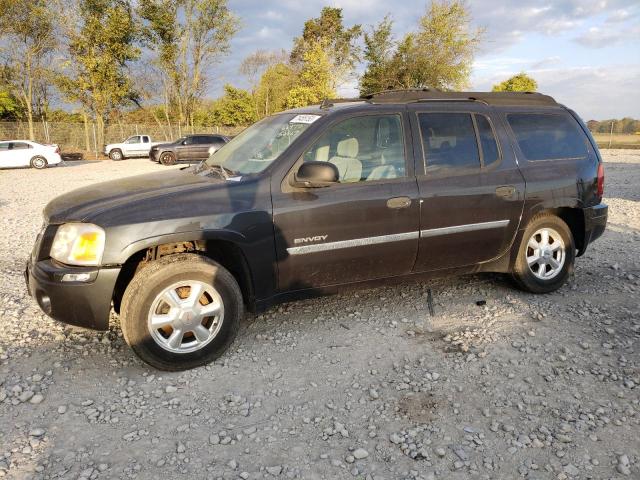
[(322, 154), (349, 166)]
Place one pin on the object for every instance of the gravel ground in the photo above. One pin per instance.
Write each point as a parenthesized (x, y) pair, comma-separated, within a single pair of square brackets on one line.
[(362, 385)]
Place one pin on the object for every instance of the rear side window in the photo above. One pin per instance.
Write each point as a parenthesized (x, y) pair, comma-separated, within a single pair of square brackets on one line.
[(547, 136), (204, 139), (20, 146), (449, 141)]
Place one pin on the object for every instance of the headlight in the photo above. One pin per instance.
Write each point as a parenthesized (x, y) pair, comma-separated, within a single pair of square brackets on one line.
[(78, 244)]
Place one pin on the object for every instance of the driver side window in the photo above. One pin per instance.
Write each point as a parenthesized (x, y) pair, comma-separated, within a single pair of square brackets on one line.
[(366, 148)]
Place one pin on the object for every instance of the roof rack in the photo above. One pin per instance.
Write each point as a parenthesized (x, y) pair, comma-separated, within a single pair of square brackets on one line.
[(489, 98), (330, 102)]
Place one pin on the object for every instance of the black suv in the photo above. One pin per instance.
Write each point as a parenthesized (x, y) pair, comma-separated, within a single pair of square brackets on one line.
[(408, 183), (192, 148)]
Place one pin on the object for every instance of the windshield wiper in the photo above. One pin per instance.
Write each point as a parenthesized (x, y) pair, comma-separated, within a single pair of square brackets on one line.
[(223, 171)]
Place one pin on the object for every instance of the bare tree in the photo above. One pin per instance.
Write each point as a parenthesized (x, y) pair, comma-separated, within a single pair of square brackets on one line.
[(187, 38), (29, 38), (256, 64)]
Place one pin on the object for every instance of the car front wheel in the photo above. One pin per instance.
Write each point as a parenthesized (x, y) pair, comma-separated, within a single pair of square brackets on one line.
[(116, 155), (546, 255), (181, 311), (167, 159)]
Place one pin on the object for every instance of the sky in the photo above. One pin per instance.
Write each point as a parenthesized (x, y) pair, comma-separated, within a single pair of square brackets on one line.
[(585, 53)]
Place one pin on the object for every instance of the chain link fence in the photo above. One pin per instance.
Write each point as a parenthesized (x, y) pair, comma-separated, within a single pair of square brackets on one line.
[(75, 137)]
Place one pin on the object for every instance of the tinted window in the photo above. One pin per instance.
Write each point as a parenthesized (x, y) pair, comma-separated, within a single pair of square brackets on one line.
[(4, 146), (547, 136), (20, 146), (364, 148), (488, 142), (145, 139), (189, 141), (449, 141)]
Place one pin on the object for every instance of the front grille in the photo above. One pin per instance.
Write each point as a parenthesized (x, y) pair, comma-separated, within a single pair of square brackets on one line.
[(42, 246)]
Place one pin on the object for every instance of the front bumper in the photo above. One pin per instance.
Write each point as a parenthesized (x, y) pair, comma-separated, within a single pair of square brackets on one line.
[(595, 223), (84, 304), (154, 155)]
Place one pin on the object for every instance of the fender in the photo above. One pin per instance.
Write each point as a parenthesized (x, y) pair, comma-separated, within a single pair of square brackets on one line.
[(143, 244)]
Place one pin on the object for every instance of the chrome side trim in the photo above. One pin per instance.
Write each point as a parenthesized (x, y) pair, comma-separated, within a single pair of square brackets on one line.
[(470, 227), (356, 242)]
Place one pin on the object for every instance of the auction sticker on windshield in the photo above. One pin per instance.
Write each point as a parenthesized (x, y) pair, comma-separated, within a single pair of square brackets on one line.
[(304, 119)]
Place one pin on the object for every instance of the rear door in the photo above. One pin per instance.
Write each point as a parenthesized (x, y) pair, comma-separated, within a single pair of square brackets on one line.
[(201, 147), (471, 190), (363, 228)]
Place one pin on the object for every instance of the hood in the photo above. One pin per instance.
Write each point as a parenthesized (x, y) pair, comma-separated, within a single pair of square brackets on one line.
[(83, 203)]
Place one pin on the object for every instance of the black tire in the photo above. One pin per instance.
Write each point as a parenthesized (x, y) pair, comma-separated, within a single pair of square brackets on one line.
[(167, 159), (523, 275), (38, 162), (116, 155), (150, 281)]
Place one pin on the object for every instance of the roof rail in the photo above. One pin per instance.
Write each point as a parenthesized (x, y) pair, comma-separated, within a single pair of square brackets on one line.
[(488, 98), (330, 102)]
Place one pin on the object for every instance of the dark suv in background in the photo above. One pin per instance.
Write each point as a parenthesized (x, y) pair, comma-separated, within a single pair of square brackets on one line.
[(192, 148), (398, 184)]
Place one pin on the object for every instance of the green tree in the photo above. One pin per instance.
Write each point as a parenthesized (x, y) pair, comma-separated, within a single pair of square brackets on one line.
[(314, 82), (338, 42), (439, 54), (234, 108), (9, 106), (379, 49), (27, 38), (518, 83), (187, 38), (272, 91), (100, 49)]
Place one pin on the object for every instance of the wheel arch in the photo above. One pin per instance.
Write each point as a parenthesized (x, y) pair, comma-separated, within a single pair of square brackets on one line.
[(222, 247), (573, 216)]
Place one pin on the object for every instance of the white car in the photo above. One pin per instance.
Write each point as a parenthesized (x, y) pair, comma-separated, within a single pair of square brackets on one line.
[(25, 153)]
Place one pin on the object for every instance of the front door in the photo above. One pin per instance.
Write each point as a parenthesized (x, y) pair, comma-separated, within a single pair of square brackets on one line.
[(184, 151), (471, 190), (364, 227)]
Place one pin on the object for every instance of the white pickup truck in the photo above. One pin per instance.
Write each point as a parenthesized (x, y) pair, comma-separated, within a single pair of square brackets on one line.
[(134, 146)]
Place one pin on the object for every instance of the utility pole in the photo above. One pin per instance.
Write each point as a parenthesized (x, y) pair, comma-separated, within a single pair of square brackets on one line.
[(611, 133)]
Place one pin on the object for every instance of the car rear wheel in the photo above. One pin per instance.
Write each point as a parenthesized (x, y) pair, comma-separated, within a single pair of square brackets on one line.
[(39, 162), (116, 155), (546, 255), (181, 312), (167, 159)]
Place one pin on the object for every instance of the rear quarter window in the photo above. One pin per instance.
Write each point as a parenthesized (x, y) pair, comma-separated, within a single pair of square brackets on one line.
[(546, 136)]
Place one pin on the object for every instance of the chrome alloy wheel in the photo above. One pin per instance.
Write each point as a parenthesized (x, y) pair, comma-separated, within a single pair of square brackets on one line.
[(546, 253), (186, 316)]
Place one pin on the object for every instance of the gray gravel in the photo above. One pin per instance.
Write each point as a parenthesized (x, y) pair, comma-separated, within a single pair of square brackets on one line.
[(363, 385)]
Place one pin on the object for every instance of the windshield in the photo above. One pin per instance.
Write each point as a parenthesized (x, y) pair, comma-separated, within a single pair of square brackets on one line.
[(259, 145)]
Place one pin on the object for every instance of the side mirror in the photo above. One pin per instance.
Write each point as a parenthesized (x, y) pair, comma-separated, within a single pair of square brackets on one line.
[(316, 175)]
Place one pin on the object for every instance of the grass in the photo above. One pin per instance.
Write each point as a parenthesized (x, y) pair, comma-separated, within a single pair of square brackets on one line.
[(618, 140)]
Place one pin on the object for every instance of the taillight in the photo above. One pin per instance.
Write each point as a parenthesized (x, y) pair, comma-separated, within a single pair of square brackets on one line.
[(600, 180)]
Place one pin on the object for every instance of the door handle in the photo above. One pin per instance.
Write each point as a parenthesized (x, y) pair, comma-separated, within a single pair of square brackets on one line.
[(398, 202), (505, 191)]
